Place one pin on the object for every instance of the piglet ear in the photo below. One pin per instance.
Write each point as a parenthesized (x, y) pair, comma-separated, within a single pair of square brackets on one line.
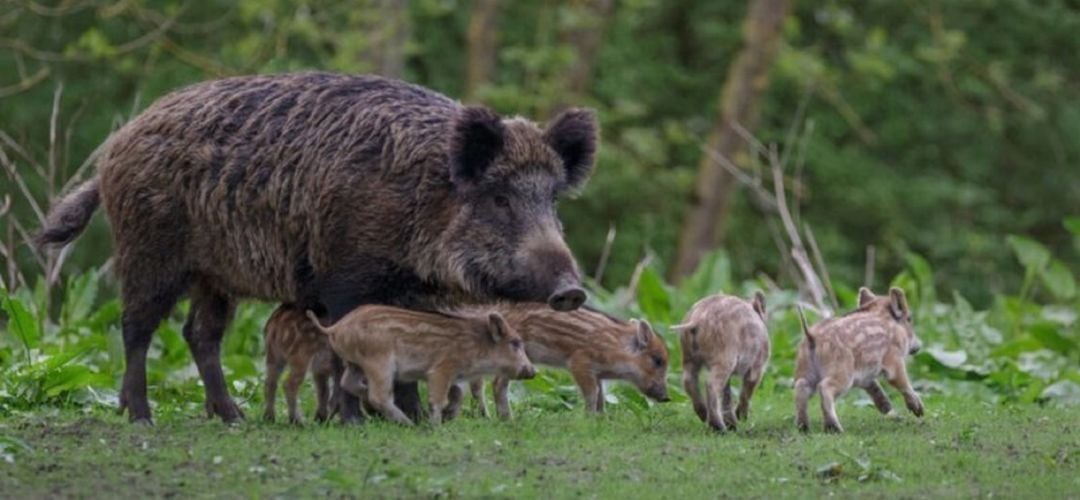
[(477, 136), (573, 135), (759, 304), (865, 296), (497, 327), (643, 336), (898, 303)]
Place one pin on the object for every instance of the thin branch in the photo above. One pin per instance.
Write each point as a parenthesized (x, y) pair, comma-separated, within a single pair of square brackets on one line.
[(26, 83), (12, 173), (631, 289), (54, 118), (868, 274), (28, 241), (605, 254), (822, 270), (18, 149)]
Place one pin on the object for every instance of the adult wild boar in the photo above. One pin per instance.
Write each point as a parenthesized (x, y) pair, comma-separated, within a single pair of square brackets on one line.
[(327, 191)]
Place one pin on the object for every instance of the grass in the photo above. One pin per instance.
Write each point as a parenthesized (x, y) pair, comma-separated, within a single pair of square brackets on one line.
[(963, 448)]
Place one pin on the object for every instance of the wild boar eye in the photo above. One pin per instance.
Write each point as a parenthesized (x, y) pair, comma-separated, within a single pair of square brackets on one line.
[(502, 201), (515, 344), (658, 361)]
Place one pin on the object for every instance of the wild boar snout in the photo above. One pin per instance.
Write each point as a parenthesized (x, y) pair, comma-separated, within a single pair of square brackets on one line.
[(548, 258), (658, 392), (914, 347), (526, 372)]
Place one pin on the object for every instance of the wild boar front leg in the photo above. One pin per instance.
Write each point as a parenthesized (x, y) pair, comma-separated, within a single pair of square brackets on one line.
[(500, 386), (587, 382), (896, 372), (877, 394), (476, 388), (439, 382), (690, 379)]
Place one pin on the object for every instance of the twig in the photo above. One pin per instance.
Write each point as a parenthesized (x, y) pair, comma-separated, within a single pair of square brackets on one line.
[(16, 148), (631, 289), (602, 264), (28, 241), (868, 274), (822, 270), (9, 168), (753, 184), (50, 179), (798, 251), (25, 84)]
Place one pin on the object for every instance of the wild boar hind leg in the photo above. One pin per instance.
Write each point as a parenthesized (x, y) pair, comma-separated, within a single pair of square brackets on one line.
[(210, 314), (691, 382)]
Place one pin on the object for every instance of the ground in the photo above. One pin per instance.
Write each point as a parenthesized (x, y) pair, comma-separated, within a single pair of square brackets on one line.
[(963, 447)]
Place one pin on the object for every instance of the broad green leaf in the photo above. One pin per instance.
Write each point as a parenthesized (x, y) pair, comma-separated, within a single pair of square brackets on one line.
[(79, 298), (1072, 223), (951, 359), (1059, 280), (22, 323), (1064, 392), (1047, 335), (1031, 254), (653, 298)]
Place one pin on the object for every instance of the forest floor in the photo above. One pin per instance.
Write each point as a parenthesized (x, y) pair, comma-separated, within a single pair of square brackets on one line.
[(963, 448)]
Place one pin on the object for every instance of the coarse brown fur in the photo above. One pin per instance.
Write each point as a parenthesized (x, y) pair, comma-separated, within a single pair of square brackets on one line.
[(854, 350), (727, 337), (327, 191), (292, 340), (593, 346), (388, 344)]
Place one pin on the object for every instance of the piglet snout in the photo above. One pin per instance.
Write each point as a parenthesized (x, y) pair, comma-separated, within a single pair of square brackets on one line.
[(526, 372)]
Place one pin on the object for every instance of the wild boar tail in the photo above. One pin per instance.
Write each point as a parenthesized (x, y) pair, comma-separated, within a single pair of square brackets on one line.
[(315, 320), (69, 216), (805, 328)]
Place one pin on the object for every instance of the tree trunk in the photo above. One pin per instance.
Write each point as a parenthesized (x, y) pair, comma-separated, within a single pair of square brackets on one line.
[(387, 25), (747, 80), (584, 35), (483, 40)]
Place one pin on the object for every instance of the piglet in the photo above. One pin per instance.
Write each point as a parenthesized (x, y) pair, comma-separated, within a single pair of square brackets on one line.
[(292, 340), (727, 337), (383, 345), (593, 346), (854, 350)]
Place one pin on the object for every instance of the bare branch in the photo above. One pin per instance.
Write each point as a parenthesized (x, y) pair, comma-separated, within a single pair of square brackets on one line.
[(602, 264), (824, 271), (54, 118), (631, 289), (13, 174), (26, 83), (868, 274)]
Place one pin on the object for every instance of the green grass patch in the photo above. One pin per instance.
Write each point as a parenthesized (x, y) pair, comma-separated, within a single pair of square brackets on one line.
[(963, 447)]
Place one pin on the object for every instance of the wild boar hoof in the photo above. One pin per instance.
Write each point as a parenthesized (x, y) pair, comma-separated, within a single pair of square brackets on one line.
[(833, 428), (143, 421)]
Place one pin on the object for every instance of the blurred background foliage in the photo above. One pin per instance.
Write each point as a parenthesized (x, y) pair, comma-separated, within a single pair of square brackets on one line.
[(931, 130)]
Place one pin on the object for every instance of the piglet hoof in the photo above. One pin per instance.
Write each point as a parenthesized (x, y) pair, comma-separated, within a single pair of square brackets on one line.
[(729, 421), (297, 421), (269, 417), (833, 428), (142, 421), (803, 427), (917, 409)]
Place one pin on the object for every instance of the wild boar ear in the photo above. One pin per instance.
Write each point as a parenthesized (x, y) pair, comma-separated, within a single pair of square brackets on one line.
[(897, 303), (644, 335), (476, 138), (497, 327), (865, 296), (759, 304), (572, 135)]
